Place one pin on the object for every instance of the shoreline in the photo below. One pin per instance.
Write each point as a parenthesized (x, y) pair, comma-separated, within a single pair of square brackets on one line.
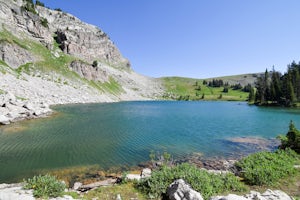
[(20, 110)]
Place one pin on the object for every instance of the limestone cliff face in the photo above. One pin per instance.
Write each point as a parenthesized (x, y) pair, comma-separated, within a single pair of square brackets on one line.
[(75, 37), (82, 40)]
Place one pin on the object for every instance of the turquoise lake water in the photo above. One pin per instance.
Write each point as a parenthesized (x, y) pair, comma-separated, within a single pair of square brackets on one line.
[(123, 134)]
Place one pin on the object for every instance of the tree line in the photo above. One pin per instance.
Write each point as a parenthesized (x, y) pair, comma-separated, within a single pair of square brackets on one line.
[(273, 88)]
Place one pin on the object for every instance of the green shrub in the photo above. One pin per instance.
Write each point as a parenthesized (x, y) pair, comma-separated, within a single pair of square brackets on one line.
[(45, 186), (207, 184), (44, 22), (291, 139), (28, 6), (266, 168), (95, 63), (39, 3)]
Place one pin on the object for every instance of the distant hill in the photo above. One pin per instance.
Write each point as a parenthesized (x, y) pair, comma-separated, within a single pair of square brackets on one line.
[(182, 88)]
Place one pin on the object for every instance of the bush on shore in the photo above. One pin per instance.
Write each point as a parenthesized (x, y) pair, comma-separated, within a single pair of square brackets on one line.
[(45, 186), (291, 139), (266, 168), (206, 183)]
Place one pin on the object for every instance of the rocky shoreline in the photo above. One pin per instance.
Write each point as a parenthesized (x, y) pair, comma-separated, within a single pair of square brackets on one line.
[(178, 190), (30, 96), (13, 109)]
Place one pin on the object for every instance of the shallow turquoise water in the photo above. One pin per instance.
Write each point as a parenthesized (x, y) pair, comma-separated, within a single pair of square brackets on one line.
[(123, 134)]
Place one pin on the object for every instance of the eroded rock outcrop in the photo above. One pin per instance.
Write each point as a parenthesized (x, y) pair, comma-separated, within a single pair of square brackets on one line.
[(82, 40), (75, 37), (89, 71), (13, 109), (14, 55), (22, 23), (180, 190), (16, 192)]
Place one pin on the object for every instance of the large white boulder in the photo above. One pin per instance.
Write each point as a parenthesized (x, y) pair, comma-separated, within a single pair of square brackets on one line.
[(268, 195), (4, 120), (180, 190)]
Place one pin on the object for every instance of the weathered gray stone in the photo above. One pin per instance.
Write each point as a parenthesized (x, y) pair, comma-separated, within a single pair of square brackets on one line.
[(77, 185), (180, 190), (4, 120), (146, 172), (15, 192), (90, 186), (88, 71), (65, 197), (268, 195), (29, 106), (118, 197), (14, 55), (276, 195), (132, 177), (229, 197)]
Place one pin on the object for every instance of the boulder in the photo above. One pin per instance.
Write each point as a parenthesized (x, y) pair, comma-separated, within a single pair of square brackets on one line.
[(229, 197), (132, 177), (28, 106), (14, 116), (11, 97), (4, 120), (118, 197), (276, 194), (146, 172), (15, 192), (180, 190), (65, 197), (268, 195), (77, 185)]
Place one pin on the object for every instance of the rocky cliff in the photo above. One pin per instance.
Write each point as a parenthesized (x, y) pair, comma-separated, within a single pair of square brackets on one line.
[(51, 57)]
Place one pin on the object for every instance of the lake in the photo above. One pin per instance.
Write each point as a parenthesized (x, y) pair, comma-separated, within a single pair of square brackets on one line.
[(123, 134)]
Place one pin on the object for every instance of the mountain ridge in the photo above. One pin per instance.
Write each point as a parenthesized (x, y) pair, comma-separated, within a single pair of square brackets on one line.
[(50, 57)]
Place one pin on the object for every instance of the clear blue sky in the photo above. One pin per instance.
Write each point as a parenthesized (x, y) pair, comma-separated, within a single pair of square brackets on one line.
[(196, 38)]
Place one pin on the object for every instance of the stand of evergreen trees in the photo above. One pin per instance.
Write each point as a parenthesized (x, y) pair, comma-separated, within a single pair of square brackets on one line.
[(273, 88)]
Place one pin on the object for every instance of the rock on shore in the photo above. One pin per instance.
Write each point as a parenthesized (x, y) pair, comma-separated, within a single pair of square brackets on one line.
[(13, 109), (180, 190)]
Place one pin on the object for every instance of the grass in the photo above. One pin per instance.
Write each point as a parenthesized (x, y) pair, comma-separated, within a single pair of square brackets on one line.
[(289, 185), (126, 191), (179, 86), (112, 86), (3, 67)]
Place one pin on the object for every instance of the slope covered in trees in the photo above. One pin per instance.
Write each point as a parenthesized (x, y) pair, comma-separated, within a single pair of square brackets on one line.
[(273, 88)]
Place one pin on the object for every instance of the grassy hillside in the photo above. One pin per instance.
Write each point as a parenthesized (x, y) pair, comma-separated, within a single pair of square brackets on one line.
[(181, 88)]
